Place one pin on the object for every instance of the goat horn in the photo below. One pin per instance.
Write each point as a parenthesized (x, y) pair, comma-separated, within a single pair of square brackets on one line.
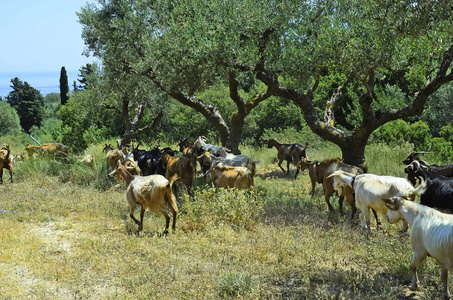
[(417, 153), (417, 163)]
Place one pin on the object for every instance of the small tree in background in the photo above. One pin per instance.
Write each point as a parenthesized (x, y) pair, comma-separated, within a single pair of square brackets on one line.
[(64, 87), (9, 120), (28, 102), (85, 71)]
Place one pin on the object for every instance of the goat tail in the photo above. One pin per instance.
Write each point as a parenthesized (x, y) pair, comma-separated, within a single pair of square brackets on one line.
[(420, 189), (172, 180)]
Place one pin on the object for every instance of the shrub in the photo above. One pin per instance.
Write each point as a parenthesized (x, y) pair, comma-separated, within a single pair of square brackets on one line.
[(397, 132), (9, 119), (443, 149), (233, 284), (231, 207)]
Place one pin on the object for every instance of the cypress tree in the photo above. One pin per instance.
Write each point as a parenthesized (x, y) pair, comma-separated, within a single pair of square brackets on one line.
[(64, 87)]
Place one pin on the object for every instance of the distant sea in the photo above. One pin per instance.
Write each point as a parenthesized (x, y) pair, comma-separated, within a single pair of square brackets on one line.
[(45, 82)]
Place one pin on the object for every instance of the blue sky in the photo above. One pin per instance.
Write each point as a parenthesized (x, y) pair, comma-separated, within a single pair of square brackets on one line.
[(38, 38)]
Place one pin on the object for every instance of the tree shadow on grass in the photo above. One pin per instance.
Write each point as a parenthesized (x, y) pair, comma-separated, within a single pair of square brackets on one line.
[(339, 283)]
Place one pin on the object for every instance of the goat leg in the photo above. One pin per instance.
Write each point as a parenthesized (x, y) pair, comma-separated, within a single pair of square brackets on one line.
[(340, 202), (378, 222), (280, 165), (167, 221), (444, 276)]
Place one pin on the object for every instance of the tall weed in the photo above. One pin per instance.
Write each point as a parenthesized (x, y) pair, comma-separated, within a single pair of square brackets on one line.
[(239, 209)]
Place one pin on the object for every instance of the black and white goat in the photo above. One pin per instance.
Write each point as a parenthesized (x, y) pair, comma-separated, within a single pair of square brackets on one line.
[(432, 170), (438, 192)]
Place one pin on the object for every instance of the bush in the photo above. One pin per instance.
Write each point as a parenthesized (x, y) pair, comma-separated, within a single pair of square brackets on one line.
[(443, 149), (236, 208), (397, 132)]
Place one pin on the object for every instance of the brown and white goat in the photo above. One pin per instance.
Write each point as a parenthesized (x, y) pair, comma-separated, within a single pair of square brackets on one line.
[(153, 192), (182, 167), (232, 177), (5, 162), (431, 235), (292, 153), (322, 172)]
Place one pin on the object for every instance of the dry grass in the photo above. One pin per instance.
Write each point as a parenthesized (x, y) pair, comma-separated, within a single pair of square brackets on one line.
[(60, 240)]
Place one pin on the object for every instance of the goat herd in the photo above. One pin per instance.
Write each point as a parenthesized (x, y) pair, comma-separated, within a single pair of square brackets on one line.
[(144, 173)]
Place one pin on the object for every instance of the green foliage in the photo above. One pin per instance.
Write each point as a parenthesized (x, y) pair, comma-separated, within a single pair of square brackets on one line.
[(276, 114), (397, 132), (443, 148), (438, 112), (85, 119), (28, 102), (239, 209), (447, 133), (9, 120)]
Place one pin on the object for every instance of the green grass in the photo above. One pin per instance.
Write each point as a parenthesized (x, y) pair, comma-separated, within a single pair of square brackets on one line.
[(65, 233)]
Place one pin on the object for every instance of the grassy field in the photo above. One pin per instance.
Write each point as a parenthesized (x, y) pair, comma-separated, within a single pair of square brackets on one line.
[(65, 233)]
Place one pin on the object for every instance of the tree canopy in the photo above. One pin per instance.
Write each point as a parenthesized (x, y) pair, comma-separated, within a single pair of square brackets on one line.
[(339, 61)]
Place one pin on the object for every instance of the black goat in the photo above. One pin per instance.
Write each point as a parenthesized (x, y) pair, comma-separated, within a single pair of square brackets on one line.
[(292, 153), (432, 170), (150, 162), (438, 192)]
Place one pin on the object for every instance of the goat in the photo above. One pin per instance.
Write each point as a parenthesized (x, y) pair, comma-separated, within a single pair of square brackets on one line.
[(207, 160), (6, 162), (321, 174), (311, 166), (188, 149), (369, 191), (292, 153), (112, 157), (438, 192), (232, 177), (431, 170), (431, 235), (414, 156), (55, 149), (150, 162), (87, 160), (201, 147), (153, 192), (182, 167)]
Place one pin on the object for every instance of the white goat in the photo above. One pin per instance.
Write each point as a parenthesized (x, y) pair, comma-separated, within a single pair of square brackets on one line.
[(431, 235), (369, 191)]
